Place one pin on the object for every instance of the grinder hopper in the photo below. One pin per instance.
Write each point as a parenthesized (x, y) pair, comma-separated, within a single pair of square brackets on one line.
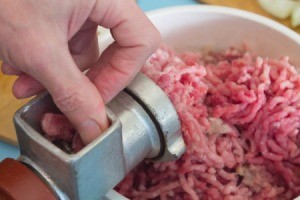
[(144, 125)]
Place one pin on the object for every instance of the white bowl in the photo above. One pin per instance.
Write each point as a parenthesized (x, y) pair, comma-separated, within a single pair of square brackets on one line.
[(197, 27)]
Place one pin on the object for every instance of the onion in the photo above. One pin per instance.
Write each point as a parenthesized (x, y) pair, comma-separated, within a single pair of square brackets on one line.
[(279, 8), (295, 18)]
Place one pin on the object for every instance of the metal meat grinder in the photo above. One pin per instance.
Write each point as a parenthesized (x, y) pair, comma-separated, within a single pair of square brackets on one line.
[(144, 125)]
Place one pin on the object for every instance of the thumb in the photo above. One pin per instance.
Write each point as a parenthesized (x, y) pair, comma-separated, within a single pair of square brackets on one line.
[(73, 93)]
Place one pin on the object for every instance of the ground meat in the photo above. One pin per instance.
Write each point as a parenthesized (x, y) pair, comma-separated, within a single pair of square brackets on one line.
[(240, 118), (60, 132), (57, 127)]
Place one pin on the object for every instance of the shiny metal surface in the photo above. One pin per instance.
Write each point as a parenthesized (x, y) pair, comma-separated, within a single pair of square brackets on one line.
[(144, 124), (90, 173), (161, 110), (138, 130)]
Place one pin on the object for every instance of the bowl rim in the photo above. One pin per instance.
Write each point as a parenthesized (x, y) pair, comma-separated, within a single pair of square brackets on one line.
[(212, 9), (234, 12)]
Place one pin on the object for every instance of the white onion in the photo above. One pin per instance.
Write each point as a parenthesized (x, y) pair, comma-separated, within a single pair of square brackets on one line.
[(279, 8), (295, 18)]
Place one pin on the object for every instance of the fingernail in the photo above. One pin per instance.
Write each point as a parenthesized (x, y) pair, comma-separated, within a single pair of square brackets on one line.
[(89, 130)]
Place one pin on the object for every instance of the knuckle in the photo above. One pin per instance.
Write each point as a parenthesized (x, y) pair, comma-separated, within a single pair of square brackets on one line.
[(68, 100), (153, 39)]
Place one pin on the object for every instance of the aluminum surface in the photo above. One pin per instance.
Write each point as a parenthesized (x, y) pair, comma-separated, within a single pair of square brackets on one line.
[(90, 173), (161, 109), (144, 124)]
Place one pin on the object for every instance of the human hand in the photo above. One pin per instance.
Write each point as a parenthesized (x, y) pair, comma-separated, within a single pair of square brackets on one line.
[(48, 44)]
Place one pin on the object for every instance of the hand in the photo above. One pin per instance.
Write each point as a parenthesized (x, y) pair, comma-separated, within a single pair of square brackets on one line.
[(48, 44)]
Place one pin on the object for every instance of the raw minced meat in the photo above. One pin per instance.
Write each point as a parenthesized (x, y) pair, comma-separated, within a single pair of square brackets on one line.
[(240, 118)]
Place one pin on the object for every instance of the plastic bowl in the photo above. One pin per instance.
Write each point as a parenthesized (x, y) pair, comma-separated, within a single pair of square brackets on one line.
[(202, 26)]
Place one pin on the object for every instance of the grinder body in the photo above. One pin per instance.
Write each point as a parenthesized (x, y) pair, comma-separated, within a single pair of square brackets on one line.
[(144, 125)]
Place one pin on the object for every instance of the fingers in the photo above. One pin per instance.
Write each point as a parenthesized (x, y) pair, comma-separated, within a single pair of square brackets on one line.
[(26, 86), (136, 39), (73, 93), (52, 66), (10, 70), (85, 50), (108, 78), (84, 46)]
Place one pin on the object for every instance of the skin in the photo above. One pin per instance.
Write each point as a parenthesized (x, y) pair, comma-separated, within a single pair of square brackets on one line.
[(49, 43)]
